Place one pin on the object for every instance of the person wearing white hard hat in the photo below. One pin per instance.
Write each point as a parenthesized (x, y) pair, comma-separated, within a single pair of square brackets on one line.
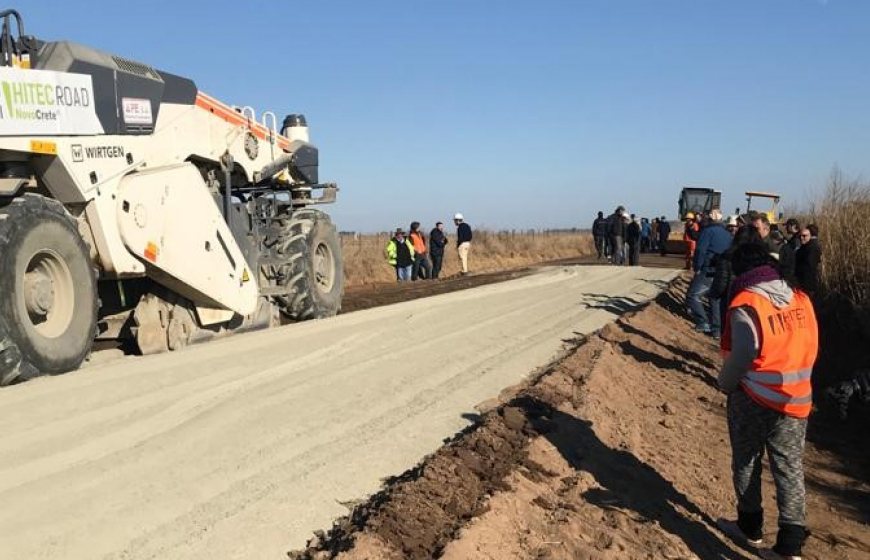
[(463, 241)]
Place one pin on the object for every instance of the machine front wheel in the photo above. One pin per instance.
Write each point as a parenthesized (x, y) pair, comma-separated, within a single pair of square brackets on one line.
[(316, 273), (48, 297)]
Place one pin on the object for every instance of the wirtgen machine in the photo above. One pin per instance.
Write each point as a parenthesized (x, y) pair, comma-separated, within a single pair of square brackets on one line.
[(135, 207)]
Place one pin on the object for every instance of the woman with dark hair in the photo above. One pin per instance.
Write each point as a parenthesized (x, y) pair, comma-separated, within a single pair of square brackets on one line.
[(771, 343), (722, 275)]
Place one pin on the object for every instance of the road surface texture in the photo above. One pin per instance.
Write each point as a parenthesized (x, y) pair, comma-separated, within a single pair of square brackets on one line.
[(239, 448)]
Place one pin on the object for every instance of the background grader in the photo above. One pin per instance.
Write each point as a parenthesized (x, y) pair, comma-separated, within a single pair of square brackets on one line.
[(135, 207)]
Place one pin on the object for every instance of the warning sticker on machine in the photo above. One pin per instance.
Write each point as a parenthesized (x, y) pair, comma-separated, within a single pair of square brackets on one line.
[(41, 102), (137, 111)]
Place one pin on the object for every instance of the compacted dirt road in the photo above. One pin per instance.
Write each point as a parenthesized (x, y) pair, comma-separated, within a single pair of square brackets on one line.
[(240, 448)]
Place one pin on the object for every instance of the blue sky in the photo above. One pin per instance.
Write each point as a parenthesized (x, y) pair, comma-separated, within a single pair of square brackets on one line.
[(523, 114)]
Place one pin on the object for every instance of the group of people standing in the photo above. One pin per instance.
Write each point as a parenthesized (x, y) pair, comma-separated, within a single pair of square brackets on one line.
[(621, 237), (410, 254), (797, 254), (762, 284)]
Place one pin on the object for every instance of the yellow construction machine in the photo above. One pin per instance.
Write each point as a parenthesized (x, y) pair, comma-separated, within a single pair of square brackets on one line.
[(693, 200), (772, 213)]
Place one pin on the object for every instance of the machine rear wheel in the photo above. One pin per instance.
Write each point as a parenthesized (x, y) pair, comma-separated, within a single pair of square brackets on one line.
[(48, 302)]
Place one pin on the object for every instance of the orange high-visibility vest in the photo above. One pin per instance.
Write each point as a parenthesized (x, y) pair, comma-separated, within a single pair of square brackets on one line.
[(779, 377), (690, 243), (693, 227), (419, 243)]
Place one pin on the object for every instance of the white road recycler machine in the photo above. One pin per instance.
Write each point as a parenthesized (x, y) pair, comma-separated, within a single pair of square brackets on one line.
[(135, 207)]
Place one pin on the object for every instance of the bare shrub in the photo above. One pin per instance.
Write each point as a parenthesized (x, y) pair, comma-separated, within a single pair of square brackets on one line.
[(365, 263), (844, 239)]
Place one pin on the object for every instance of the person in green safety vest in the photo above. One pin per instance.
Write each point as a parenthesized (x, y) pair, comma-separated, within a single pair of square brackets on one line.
[(400, 255)]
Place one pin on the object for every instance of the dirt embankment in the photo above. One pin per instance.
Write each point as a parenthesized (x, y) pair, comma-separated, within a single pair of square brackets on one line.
[(618, 452)]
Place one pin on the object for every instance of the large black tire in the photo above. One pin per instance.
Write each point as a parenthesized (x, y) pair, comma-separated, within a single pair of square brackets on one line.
[(48, 296), (316, 273)]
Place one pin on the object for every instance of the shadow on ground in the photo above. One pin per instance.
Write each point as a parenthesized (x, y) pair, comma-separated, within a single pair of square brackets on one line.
[(628, 482), (616, 305)]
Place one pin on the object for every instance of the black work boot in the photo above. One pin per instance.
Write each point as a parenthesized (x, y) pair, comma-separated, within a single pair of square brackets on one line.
[(751, 523), (747, 528), (790, 540)]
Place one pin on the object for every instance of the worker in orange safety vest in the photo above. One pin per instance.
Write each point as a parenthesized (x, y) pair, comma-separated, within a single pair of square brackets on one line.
[(690, 236), (770, 343), (421, 267)]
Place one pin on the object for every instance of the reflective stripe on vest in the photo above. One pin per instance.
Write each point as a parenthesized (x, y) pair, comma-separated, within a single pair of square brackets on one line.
[(773, 396), (774, 378), (780, 377)]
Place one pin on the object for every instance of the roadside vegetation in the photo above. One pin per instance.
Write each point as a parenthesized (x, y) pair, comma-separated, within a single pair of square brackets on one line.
[(364, 261), (844, 239), (844, 306)]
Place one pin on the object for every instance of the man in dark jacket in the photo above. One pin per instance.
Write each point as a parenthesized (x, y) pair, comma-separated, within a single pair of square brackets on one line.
[(437, 242), (664, 233), (713, 240), (616, 232), (463, 241), (762, 224), (632, 237), (807, 260), (599, 235), (788, 249)]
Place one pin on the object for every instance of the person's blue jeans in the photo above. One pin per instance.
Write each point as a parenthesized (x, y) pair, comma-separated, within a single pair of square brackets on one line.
[(698, 291), (403, 273)]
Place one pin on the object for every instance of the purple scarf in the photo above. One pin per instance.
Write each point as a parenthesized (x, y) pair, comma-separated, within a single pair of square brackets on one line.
[(765, 273)]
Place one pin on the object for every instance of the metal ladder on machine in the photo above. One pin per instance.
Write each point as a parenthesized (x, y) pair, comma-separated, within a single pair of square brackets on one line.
[(266, 224)]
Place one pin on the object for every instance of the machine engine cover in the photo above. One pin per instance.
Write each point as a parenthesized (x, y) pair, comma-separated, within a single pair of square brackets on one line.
[(168, 219)]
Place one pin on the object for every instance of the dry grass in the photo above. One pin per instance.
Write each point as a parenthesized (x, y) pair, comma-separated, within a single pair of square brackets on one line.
[(364, 261), (841, 214)]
